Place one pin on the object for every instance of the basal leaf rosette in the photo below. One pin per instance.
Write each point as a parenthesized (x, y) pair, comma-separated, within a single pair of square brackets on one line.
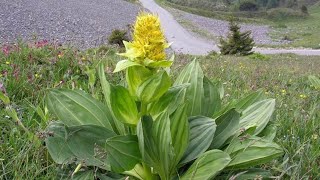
[(148, 46)]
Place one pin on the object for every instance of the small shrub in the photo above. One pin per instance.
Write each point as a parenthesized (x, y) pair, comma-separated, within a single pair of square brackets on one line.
[(117, 37), (248, 5), (236, 42), (304, 9)]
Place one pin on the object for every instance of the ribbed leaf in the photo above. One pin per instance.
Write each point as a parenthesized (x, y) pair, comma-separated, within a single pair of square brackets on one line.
[(155, 143), (227, 126), (117, 126), (179, 127), (170, 101), (84, 175), (211, 99), (77, 142), (154, 87), (74, 107), (193, 74), (251, 152), (135, 76), (123, 105), (202, 130), (124, 64), (123, 152), (207, 166), (242, 103), (258, 114)]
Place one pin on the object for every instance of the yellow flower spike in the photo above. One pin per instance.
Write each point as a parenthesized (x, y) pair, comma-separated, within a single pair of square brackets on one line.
[(148, 40)]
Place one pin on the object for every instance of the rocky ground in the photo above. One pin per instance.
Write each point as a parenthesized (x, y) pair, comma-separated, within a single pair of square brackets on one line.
[(83, 23)]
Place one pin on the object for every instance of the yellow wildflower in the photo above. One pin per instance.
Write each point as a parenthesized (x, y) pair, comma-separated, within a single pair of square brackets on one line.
[(7, 62), (148, 40), (303, 96), (315, 136), (36, 75), (284, 92)]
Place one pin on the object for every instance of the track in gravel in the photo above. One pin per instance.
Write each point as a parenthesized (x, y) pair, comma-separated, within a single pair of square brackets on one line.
[(82, 23), (184, 42)]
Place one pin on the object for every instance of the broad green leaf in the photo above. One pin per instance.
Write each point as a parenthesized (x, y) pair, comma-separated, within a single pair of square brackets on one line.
[(242, 103), (87, 141), (84, 175), (154, 87), (193, 74), (269, 133), (123, 105), (207, 166), (56, 144), (135, 76), (315, 82), (170, 101), (248, 100), (211, 99), (74, 107), (227, 126), (179, 127), (157, 64), (123, 152), (77, 142), (252, 174), (117, 126), (252, 151), (155, 144), (258, 114), (202, 130), (124, 64)]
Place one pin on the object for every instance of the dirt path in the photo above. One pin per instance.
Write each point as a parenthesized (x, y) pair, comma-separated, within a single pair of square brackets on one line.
[(186, 43)]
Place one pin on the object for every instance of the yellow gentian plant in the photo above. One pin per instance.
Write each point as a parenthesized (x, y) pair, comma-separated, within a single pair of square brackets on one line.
[(156, 128)]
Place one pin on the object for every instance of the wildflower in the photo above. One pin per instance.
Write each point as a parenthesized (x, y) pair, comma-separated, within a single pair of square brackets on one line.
[(7, 62), (148, 45), (283, 92), (315, 136), (36, 75), (60, 55), (302, 96)]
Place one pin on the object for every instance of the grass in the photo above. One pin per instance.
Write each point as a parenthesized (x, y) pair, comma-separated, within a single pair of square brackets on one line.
[(303, 32), (28, 71)]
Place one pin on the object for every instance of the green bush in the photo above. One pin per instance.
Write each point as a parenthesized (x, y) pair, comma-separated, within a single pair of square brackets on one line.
[(248, 5), (118, 36), (237, 42)]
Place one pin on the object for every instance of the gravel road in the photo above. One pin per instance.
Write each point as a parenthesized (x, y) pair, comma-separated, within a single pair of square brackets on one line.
[(183, 41), (187, 43), (82, 23)]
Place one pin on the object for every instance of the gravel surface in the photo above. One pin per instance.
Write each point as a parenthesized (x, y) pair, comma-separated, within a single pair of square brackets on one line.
[(219, 28), (82, 23)]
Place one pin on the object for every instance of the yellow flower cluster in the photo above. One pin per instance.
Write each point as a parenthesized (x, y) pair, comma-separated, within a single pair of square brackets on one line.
[(148, 40)]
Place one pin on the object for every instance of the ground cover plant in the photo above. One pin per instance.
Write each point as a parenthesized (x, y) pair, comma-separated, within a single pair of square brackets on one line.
[(283, 77)]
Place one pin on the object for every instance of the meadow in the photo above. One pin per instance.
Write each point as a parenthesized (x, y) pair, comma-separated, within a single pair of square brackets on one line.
[(29, 70)]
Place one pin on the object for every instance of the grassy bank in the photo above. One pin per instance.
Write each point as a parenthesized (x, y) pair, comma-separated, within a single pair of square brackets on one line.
[(28, 70)]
